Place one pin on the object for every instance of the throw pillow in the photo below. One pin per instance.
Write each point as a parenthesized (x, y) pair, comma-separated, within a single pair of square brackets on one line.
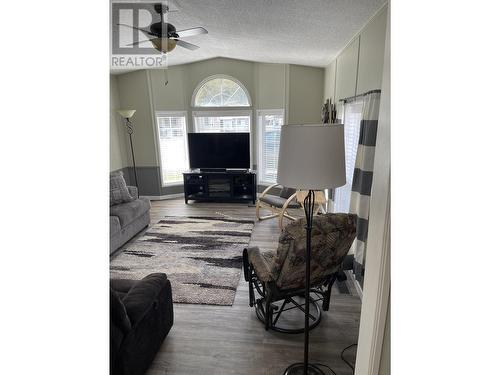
[(118, 191)]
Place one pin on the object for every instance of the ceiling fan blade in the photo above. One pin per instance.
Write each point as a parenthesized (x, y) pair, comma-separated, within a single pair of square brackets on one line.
[(187, 45), (191, 32), (139, 42), (145, 31)]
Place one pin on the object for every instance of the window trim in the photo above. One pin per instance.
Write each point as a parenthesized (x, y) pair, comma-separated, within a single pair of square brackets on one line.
[(158, 148), (260, 140), (223, 76)]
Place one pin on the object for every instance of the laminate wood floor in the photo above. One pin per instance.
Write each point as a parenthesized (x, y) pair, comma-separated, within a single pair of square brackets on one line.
[(220, 340)]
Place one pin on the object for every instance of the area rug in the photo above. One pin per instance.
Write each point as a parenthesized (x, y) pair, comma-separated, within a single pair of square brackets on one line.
[(202, 257)]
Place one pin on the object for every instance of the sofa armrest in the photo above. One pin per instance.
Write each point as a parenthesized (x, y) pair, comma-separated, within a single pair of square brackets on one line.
[(150, 310), (145, 295), (133, 191)]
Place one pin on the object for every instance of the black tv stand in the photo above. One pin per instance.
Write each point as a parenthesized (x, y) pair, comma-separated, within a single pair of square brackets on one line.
[(220, 186), (213, 170)]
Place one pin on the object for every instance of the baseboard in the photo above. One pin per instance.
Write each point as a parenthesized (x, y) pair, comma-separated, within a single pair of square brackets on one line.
[(162, 197), (350, 275)]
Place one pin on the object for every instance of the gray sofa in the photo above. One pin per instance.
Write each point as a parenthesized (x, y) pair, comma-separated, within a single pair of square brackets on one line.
[(128, 219)]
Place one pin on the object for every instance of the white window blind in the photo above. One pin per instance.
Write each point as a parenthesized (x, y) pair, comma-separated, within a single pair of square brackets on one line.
[(213, 122), (173, 146), (270, 123), (353, 112)]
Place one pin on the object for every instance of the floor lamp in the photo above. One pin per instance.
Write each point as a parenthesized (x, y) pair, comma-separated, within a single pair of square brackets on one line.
[(311, 157), (127, 114)]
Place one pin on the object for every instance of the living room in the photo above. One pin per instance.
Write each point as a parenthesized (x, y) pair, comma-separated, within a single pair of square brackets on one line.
[(198, 142), (217, 187)]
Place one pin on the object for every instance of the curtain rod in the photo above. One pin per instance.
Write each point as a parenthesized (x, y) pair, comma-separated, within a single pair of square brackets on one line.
[(360, 95)]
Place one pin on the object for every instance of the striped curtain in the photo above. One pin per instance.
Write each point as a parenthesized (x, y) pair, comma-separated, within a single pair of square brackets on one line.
[(362, 179)]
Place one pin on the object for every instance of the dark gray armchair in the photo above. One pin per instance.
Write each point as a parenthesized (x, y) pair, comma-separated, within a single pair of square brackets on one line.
[(141, 317)]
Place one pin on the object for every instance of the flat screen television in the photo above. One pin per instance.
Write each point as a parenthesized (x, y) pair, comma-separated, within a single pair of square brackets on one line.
[(219, 150)]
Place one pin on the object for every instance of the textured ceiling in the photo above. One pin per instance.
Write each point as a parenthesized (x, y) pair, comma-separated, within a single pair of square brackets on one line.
[(307, 32)]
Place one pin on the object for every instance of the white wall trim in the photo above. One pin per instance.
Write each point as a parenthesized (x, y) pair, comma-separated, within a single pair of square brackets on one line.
[(163, 197), (287, 95), (377, 270)]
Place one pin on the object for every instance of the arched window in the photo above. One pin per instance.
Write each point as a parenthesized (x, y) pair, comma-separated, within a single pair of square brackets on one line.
[(221, 91)]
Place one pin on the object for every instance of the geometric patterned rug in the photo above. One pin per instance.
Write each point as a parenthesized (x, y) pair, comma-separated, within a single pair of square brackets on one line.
[(202, 257)]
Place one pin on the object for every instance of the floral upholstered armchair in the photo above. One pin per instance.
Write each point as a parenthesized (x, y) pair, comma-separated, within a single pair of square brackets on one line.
[(280, 275)]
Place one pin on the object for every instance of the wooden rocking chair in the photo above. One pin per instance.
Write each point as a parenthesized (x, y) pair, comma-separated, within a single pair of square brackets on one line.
[(277, 204), (287, 198)]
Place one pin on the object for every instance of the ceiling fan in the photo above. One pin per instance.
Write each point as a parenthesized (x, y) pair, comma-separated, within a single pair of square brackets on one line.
[(165, 36)]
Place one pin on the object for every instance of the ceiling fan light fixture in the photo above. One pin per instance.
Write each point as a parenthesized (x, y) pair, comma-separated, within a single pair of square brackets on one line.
[(164, 44)]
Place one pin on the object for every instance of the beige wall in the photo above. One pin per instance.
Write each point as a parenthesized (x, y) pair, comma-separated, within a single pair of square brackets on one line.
[(329, 85), (358, 67), (371, 54), (119, 156), (347, 63), (295, 88), (270, 81), (135, 94), (173, 96), (305, 94)]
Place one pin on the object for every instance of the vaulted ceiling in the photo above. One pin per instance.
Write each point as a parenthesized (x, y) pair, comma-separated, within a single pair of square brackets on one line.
[(306, 32)]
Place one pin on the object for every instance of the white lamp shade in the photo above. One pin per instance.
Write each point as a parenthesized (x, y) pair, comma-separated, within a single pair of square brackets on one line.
[(126, 113), (312, 157)]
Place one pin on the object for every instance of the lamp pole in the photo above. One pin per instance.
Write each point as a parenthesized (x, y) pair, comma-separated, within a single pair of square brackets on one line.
[(305, 367), (311, 158), (130, 131), (127, 114)]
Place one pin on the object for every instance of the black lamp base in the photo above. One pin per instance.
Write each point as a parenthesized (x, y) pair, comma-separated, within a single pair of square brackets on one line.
[(298, 369)]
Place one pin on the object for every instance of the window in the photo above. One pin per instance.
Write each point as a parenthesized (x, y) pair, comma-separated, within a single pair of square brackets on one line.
[(222, 121), (221, 94), (353, 112), (270, 122), (172, 142), (221, 91)]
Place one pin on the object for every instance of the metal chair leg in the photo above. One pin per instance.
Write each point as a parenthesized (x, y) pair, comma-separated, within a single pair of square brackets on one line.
[(269, 313), (251, 294), (328, 294)]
